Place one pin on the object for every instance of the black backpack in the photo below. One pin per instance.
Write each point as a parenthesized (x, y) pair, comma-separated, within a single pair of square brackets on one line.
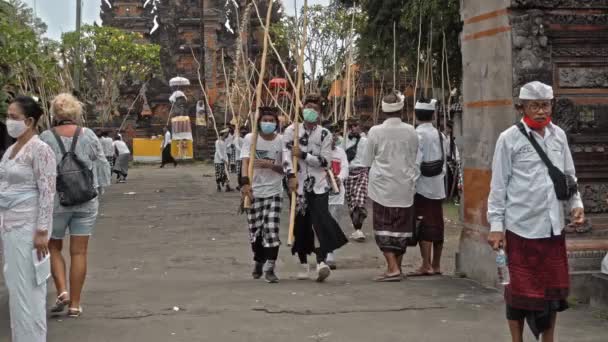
[(351, 152), (74, 180)]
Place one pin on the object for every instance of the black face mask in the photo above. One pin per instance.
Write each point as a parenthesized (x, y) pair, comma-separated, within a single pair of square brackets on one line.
[(354, 135)]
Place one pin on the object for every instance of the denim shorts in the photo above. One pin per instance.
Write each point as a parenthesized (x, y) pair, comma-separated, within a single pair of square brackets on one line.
[(78, 223)]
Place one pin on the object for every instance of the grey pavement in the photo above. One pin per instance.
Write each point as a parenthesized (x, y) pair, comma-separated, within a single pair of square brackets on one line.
[(170, 261)]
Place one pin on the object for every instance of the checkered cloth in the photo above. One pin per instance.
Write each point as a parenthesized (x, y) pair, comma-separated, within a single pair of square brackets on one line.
[(231, 154), (239, 168), (220, 174), (264, 220), (355, 187)]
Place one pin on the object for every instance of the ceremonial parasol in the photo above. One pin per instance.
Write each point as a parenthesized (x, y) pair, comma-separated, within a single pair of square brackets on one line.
[(179, 81)]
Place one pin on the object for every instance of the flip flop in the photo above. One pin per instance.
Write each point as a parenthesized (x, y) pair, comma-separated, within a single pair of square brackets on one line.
[(61, 303), (75, 312), (420, 274), (385, 278)]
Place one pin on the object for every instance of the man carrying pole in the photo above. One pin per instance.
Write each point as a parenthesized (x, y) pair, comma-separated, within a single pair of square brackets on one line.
[(265, 191), (313, 218)]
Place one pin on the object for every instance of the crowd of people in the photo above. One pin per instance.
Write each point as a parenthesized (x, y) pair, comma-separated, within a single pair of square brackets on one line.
[(50, 187), (407, 172)]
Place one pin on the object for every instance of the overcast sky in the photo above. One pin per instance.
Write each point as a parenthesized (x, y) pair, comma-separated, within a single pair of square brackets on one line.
[(60, 15)]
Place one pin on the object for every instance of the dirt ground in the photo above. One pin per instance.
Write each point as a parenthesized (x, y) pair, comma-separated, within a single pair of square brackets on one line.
[(170, 261)]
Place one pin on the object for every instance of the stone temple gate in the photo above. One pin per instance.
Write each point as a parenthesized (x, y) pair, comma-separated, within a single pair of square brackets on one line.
[(506, 43)]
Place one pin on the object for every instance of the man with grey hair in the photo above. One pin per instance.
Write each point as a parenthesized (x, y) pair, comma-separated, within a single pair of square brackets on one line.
[(533, 179)]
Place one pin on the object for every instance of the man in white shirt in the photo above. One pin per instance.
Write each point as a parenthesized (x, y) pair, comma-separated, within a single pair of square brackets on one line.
[(313, 218), (265, 192), (339, 167), (123, 154), (358, 177), (526, 213), (430, 189), (220, 159), (391, 155), (166, 149), (107, 144)]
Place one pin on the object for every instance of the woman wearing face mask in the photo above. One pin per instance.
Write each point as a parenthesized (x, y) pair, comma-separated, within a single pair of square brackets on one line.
[(80, 218), (27, 190), (265, 192)]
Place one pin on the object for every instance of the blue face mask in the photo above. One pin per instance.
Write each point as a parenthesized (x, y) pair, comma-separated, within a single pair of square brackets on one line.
[(268, 127), (310, 115)]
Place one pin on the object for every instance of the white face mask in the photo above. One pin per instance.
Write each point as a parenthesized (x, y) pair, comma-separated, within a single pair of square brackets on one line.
[(15, 128)]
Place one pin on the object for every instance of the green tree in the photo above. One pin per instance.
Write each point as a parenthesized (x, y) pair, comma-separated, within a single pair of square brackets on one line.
[(111, 57), (376, 35)]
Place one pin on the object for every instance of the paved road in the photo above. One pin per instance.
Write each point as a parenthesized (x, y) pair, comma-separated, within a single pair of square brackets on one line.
[(167, 239)]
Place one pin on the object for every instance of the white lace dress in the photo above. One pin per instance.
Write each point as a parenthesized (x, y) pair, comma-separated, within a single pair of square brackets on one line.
[(27, 191)]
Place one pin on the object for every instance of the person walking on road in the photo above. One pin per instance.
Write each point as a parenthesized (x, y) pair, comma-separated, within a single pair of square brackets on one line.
[(166, 149), (533, 181), (78, 219), (220, 159), (430, 189), (108, 147), (313, 219), (123, 155), (27, 191), (265, 192), (339, 167), (391, 153), (358, 178)]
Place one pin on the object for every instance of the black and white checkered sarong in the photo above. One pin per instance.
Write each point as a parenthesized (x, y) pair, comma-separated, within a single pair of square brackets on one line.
[(231, 154), (355, 187), (264, 219), (220, 173)]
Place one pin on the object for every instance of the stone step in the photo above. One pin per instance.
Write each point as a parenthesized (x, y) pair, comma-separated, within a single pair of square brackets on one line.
[(599, 294), (586, 254)]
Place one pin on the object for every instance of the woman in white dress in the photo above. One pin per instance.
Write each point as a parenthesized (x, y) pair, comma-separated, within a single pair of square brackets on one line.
[(27, 190)]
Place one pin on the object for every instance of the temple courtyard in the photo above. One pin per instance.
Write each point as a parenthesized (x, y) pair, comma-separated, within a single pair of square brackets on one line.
[(170, 261)]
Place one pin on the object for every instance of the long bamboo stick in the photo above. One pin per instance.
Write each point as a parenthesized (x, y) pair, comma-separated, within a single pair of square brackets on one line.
[(417, 64), (348, 81), (258, 102), (296, 125), (274, 49)]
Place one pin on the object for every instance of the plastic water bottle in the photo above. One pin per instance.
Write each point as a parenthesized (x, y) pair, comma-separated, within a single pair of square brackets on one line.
[(503, 270)]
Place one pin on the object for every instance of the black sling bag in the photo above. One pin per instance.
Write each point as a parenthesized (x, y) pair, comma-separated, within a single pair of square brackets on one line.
[(565, 185)]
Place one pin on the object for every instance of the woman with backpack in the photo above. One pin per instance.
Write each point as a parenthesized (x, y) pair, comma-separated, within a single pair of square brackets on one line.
[(27, 190), (82, 172)]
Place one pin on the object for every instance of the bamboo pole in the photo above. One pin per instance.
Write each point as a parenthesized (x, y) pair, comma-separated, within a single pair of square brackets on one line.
[(208, 105), (417, 66), (348, 81), (394, 54), (258, 102), (296, 125), (274, 49)]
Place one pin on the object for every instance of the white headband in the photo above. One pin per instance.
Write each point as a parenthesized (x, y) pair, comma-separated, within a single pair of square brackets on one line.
[(394, 107), (536, 91), (426, 106)]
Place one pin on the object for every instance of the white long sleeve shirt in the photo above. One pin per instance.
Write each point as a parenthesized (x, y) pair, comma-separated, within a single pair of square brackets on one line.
[(522, 196), (312, 171), (167, 139), (339, 156), (220, 156), (429, 149), (358, 161), (391, 152)]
